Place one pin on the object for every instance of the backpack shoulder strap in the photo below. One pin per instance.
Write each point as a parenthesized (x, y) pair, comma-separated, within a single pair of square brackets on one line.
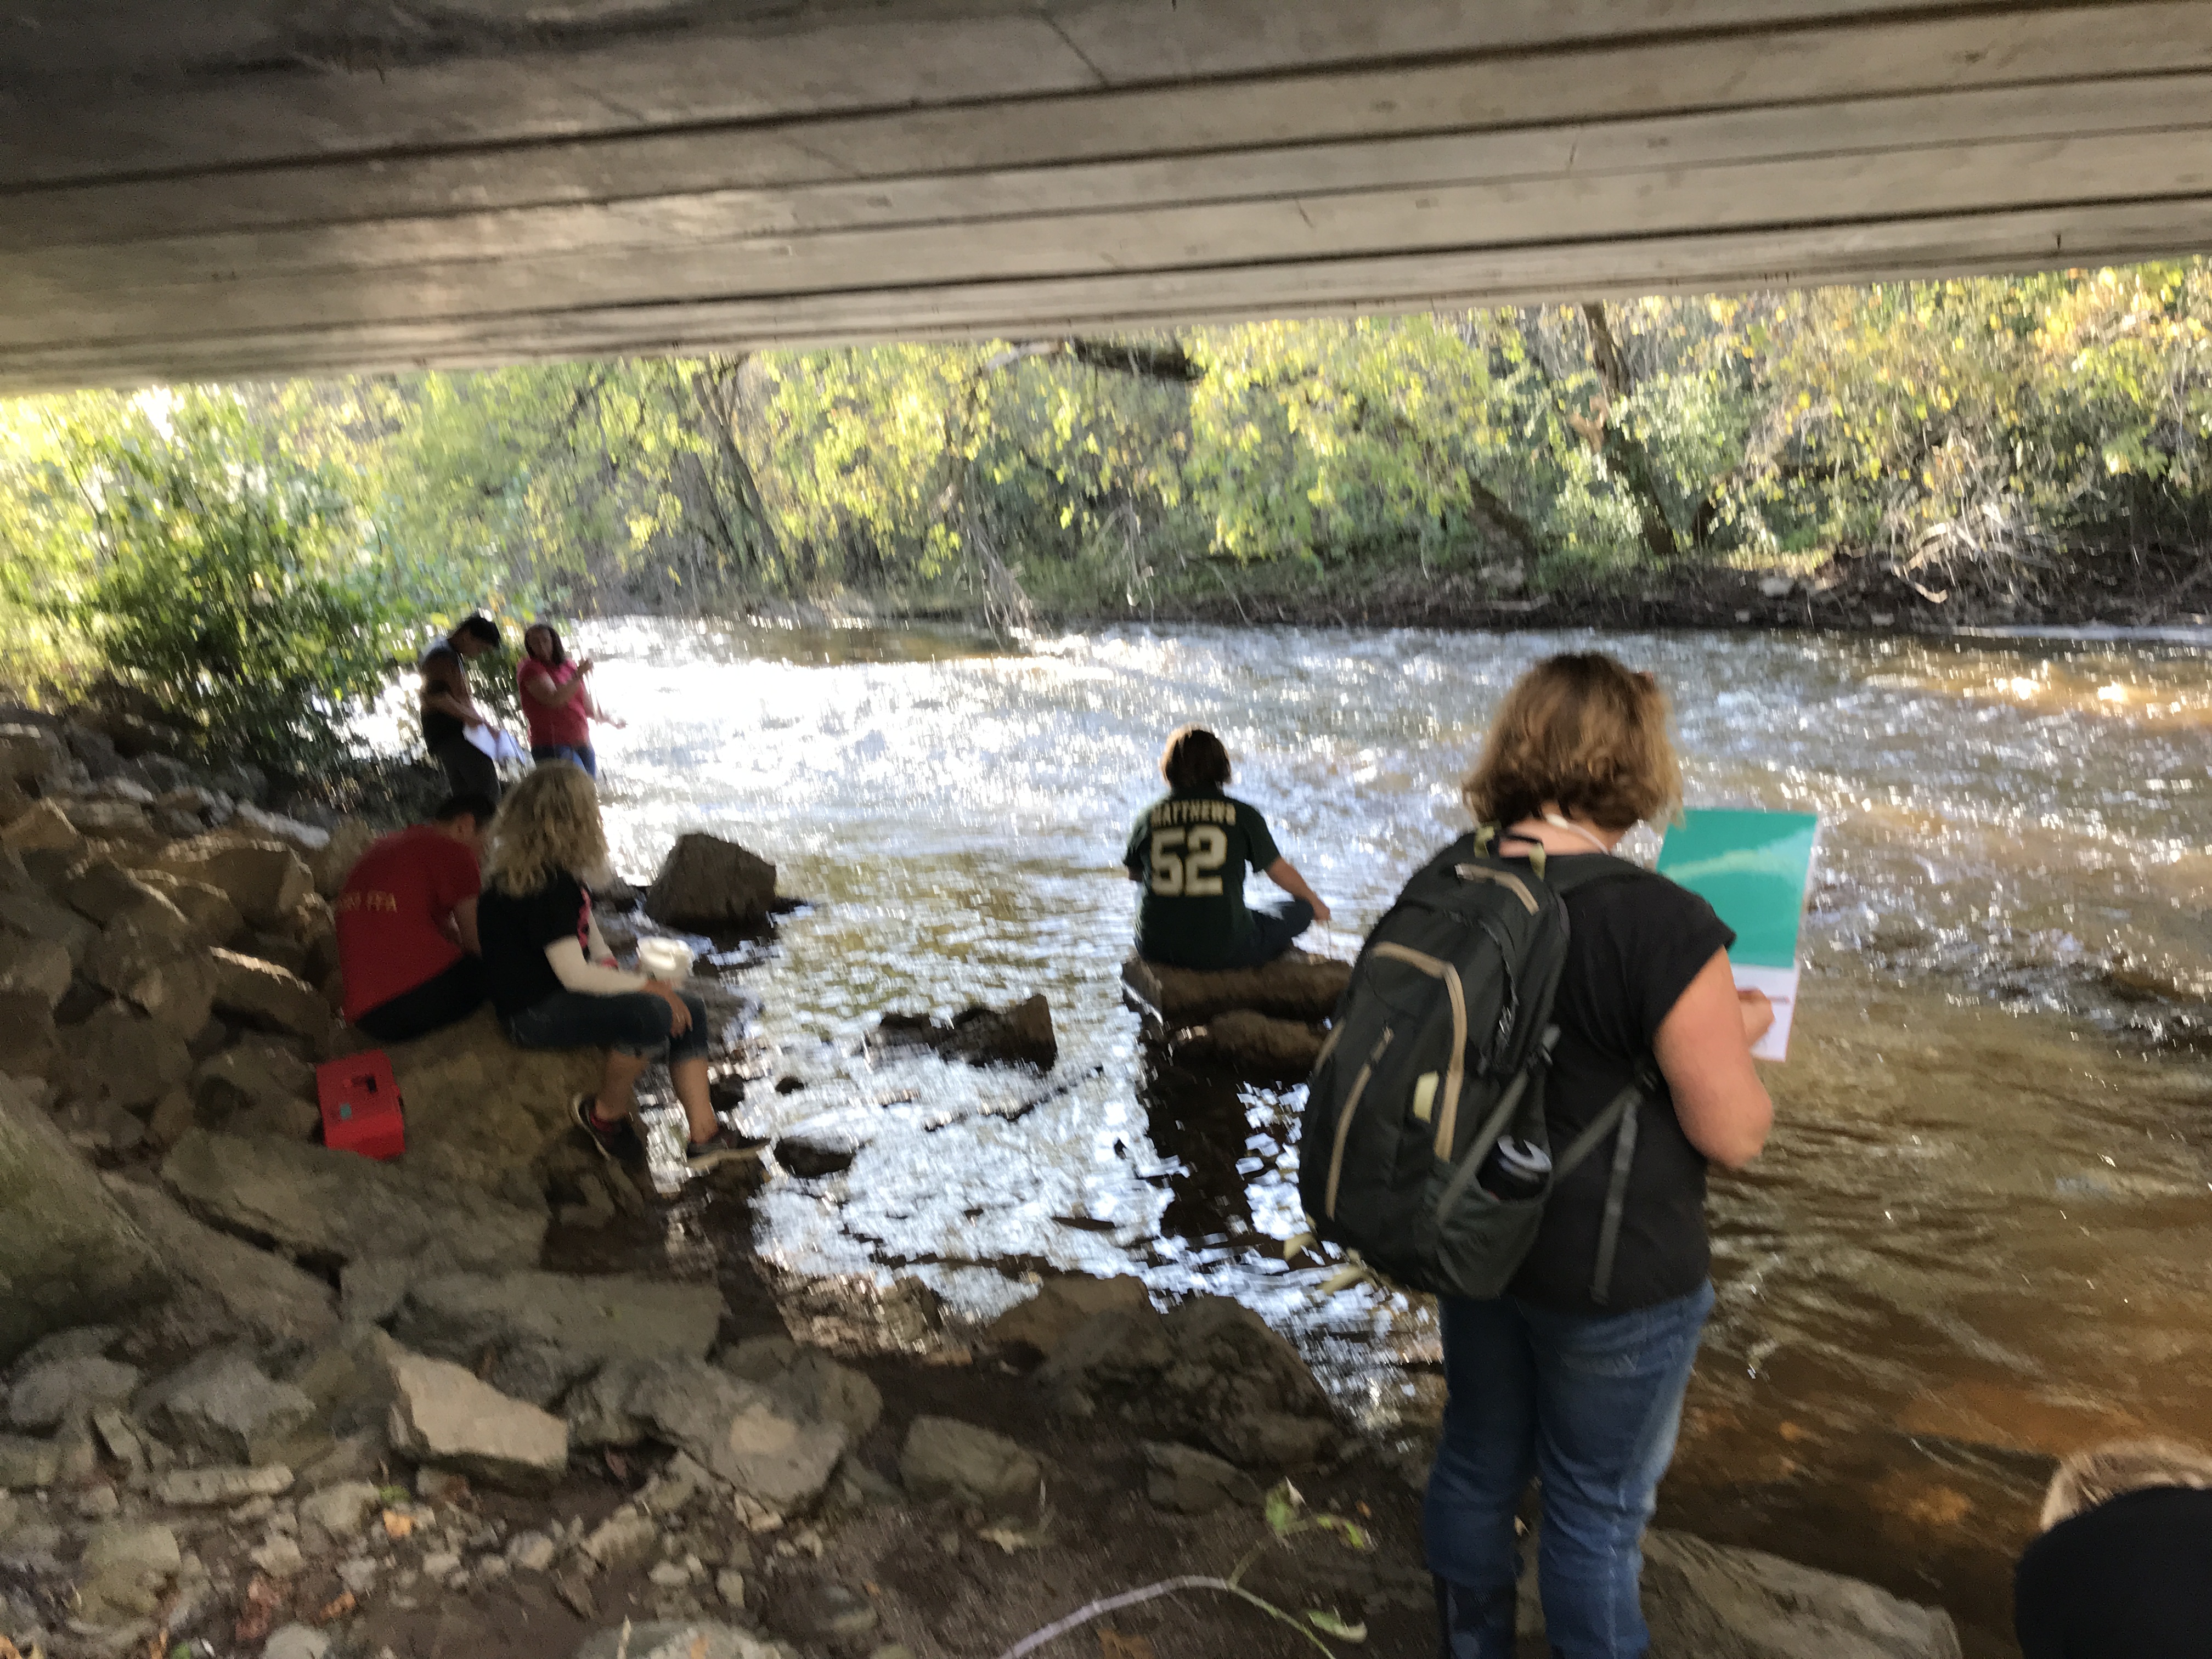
[(1620, 1120), (1570, 875)]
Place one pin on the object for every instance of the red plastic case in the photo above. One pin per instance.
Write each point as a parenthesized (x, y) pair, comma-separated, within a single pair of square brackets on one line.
[(361, 1105)]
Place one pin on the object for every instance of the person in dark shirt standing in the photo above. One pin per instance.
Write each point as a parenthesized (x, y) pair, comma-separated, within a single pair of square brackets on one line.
[(449, 711), (407, 925), (2124, 1568), (1190, 850), (1578, 1386)]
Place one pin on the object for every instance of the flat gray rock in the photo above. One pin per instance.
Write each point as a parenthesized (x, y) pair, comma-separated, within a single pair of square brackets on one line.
[(335, 1207), (223, 1406), (443, 1416), (458, 1315), (243, 1289), (44, 1397), (945, 1458), (740, 1431)]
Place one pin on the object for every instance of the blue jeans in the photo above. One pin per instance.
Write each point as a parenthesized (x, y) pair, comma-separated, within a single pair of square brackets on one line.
[(1272, 931), (1587, 1403), (635, 1022), (581, 753)]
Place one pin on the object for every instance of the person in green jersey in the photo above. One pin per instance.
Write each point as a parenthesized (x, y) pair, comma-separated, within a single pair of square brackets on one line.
[(1190, 850)]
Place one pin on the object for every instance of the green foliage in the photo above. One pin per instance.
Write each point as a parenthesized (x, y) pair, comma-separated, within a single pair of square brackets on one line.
[(205, 569)]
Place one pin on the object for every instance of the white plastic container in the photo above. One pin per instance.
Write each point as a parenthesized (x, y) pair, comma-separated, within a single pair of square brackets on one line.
[(664, 959)]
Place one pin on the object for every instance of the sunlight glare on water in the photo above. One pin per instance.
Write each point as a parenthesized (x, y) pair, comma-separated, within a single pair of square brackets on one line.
[(1978, 1239)]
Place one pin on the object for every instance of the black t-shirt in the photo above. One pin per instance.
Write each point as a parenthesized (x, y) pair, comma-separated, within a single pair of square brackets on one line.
[(1633, 947), (437, 725), (514, 932), (1191, 850), (2129, 1579)]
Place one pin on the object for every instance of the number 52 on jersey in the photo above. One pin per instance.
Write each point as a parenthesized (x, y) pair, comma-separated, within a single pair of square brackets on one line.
[(1187, 863)]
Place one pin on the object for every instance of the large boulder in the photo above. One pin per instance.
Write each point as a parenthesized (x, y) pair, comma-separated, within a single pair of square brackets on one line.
[(215, 920), (460, 1316), (1019, 1034), (257, 1089), (234, 1286), (69, 1252), (1710, 1601), (262, 994), (39, 967), (45, 825), (32, 756), (120, 1055), (711, 885), (140, 959), (32, 913), (777, 1459), (442, 1415), (1294, 987), (349, 839), (264, 879), (102, 891), (479, 1110), (331, 1207)]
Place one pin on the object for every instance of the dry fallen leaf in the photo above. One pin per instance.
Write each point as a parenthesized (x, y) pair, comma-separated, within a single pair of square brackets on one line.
[(698, 1647), (397, 1525), (258, 1617), (1112, 1644), (337, 1609)]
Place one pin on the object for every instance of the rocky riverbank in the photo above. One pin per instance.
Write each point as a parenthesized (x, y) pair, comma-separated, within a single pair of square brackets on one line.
[(261, 1398)]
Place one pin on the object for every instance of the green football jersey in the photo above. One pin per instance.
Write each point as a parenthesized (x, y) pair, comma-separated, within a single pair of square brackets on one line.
[(1190, 850)]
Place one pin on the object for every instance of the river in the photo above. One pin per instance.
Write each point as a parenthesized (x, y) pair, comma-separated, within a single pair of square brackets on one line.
[(1978, 1239)]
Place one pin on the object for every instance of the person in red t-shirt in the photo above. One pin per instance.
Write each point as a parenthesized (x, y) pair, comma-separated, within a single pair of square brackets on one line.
[(407, 925), (556, 700)]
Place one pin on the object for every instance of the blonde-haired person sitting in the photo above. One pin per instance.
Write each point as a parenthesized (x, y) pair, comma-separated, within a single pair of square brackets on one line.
[(2124, 1568), (554, 984), (1581, 1390)]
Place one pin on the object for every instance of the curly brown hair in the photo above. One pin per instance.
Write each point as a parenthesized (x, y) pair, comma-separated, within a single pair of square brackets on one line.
[(548, 824), (2097, 1473), (1585, 733)]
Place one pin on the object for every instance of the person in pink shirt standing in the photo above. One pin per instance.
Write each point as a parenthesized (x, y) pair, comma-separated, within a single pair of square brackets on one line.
[(556, 700)]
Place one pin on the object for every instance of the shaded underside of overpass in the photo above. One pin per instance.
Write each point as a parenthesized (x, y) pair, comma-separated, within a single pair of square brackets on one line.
[(215, 192)]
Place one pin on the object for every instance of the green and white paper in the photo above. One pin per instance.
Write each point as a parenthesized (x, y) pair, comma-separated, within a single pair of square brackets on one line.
[(1753, 868)]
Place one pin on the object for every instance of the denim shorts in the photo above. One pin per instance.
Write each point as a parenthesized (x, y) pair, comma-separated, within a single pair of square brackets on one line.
[(633, 1022)]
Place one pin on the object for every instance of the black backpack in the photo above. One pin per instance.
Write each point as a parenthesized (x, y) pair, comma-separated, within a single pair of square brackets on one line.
[(1439, 1049)]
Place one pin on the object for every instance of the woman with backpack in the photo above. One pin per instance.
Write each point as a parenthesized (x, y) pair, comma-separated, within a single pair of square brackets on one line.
[(1575, 1376)]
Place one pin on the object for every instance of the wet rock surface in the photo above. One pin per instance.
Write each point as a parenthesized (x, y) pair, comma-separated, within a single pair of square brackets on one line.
[(1294, 987), (1251, 1045), (712, 885), (1019, 1034)]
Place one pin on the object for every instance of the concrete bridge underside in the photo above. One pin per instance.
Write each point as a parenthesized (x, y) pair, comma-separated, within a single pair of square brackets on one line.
[(265, 186)]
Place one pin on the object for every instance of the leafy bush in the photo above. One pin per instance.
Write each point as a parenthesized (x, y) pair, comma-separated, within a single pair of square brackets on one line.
[(224, 583)]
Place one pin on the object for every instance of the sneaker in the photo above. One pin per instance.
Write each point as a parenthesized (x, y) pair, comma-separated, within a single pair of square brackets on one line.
[(725, 1146), (616, 1142)]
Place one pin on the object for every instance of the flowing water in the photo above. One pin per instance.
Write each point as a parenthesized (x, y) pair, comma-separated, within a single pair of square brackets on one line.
[(1978, 1240)]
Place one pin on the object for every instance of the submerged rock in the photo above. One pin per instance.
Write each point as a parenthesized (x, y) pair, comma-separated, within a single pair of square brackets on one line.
[(1019, 1034), (1294, 987), (1712, 1601), (1251, 1045), (69, 1253), (711, 885)]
